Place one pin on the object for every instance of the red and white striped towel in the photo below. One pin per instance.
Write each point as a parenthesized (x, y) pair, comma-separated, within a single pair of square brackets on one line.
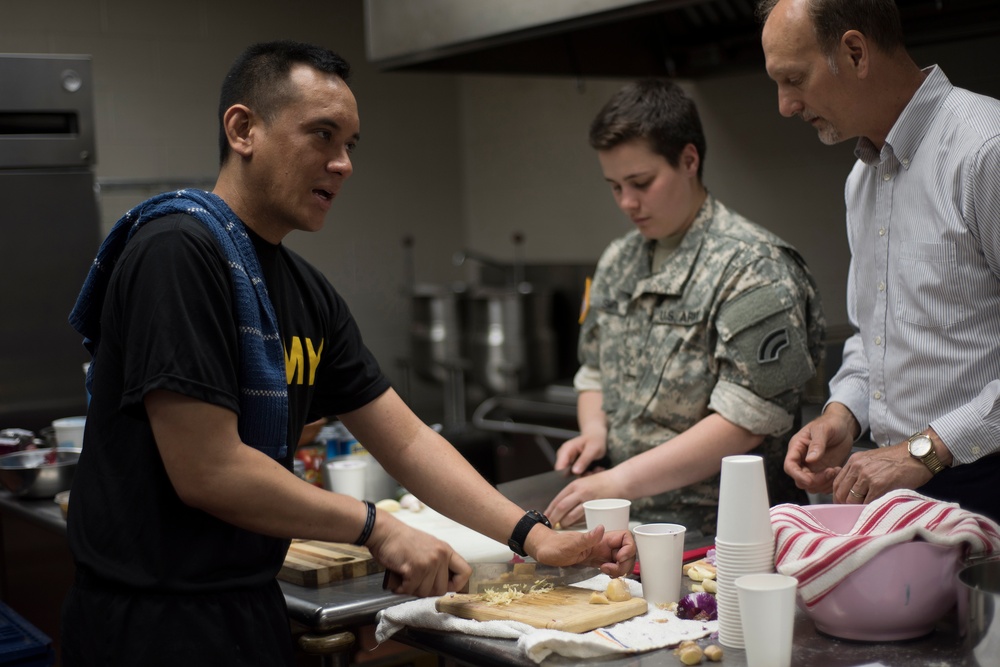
[(820, 558)]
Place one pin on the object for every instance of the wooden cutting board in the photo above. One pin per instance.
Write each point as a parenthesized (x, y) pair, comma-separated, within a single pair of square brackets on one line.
[(313, 564), (563, 608)]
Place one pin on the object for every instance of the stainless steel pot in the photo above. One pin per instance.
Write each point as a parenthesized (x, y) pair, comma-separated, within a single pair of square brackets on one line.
[(510, 342), (435, 330), (979, 610)]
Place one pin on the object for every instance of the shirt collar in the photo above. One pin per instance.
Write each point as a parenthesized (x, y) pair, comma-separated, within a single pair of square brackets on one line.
[(684, 257), (911, 126)]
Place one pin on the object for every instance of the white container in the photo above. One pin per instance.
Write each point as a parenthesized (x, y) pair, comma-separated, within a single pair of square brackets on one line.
[(69, 431), (348, 477), (378, 484), (661, 555), (767, 610), (612, 513), (744, 509)]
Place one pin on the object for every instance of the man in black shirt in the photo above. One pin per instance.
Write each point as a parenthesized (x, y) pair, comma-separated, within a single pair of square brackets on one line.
[(213, 346)]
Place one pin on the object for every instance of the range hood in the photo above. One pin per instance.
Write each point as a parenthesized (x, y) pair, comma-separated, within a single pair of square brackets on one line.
[(610, 38)]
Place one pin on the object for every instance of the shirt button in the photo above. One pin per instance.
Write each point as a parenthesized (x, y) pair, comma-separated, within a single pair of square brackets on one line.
[(975, 450), (887, 177), (881, 287), (877, 396), (878, 340), (881, 231), (906, 160)]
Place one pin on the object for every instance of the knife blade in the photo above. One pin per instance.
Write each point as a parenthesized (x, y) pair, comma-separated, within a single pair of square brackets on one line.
[(525, 574)]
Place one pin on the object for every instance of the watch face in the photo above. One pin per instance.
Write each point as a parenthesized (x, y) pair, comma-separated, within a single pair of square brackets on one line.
[(920, 446)]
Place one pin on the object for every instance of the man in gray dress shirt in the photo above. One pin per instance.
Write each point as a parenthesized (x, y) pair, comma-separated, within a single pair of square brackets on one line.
[(922, 371)]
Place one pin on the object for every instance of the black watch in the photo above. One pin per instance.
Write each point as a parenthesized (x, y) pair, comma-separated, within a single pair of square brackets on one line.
[(520, 534)]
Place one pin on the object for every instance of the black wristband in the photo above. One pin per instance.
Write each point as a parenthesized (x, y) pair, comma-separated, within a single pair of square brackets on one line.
[(523, 527), (366, 532)]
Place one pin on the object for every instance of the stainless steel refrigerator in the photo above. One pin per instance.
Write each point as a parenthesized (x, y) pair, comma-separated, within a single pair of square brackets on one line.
[(49, 233)]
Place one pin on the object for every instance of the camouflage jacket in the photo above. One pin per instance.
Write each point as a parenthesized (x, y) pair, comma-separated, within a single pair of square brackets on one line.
[(731, 324)]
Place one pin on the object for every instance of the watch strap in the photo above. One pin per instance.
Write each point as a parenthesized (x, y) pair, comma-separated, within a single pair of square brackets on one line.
[(523, 527)]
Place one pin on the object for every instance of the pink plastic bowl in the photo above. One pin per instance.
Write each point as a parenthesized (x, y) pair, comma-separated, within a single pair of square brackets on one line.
[(899, 594)]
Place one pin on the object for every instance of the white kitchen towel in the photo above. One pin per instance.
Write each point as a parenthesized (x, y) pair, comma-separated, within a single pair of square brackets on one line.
[(656, 629), (820, 558)]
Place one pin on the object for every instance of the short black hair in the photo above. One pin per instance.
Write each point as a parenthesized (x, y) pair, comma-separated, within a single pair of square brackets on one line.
[(655, 110), (259, 79), (878, 20)]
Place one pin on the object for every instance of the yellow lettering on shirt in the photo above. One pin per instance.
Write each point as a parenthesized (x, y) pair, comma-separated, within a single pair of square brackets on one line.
[(314, 356), (295, 360)]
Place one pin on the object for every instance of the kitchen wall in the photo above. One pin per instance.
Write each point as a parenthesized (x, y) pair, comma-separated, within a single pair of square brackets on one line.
[(528, 166), (157, 69), (453, 161)]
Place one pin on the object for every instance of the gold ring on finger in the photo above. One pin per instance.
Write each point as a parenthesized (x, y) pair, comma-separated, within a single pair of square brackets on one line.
[(856, 494)]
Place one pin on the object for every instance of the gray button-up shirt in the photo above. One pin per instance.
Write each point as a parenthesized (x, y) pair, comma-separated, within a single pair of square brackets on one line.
[(923, 222)]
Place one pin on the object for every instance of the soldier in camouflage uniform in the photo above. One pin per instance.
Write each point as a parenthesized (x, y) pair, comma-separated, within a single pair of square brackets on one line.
[(702, 328)]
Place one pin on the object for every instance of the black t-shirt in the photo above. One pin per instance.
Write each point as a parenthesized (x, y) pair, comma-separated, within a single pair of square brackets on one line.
[(169, 323)]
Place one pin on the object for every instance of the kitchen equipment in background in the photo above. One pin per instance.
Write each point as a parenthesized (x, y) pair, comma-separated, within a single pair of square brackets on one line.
[(495, 339), (18, 439), (979, 610), (39, 473), (509, 338), (49, 231), (435, 329), (497, 332)]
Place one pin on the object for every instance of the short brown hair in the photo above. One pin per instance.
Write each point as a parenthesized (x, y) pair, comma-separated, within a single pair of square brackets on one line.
[(657, 111)]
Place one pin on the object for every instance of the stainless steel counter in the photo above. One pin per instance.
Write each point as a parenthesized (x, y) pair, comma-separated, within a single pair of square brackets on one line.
[(354, 603), (942, 648)]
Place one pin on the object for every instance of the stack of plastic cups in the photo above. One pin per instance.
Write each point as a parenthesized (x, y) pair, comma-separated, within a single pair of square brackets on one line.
[(744, 542)]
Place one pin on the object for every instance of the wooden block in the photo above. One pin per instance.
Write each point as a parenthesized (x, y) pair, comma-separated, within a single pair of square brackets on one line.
[(564, 608), (313, 564)]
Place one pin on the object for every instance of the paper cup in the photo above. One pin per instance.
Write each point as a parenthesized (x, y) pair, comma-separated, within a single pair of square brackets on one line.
[(612, 513), (661, 555), (348, 477), (69, 431), (744, 510), (767, 614)]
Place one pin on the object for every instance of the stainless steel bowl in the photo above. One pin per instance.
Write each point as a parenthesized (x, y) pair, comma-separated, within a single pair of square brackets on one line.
[(979, 610), (26, 475)]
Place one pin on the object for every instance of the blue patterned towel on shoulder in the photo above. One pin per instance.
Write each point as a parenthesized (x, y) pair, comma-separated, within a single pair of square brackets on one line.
[(263, 419)]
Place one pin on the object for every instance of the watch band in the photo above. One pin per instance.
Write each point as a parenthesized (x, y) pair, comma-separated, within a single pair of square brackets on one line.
[(930, 459), (520, 533)]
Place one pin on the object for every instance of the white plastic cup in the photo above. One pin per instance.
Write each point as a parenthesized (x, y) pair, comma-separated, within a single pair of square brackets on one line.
[(744, 509), (612, 513), (661, 556), (69, 431), (348, 477), (767, 613)]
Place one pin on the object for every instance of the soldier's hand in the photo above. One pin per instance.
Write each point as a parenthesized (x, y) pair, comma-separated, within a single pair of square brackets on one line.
[(567, 507), (581, 451)]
